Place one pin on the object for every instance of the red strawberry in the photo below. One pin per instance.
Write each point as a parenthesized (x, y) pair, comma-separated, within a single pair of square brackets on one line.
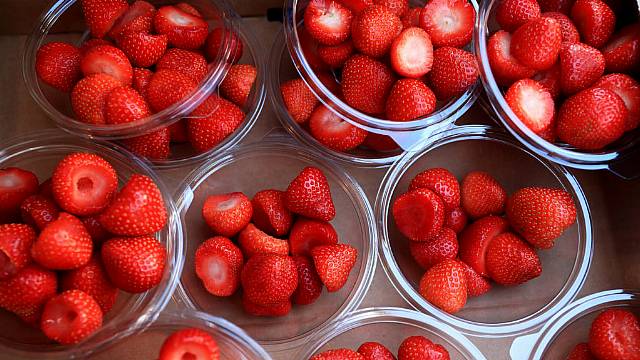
[(412, 53), (168, 87), (366, 83), (333, 132), (581, 352), (615, 334), (421, 348), (185, 31), (134, 264), (476, 284), (178, 131), (270, 213), (628, 90), (561, 6), (580, 66), (532, 103), (143, 49), (419, 214), (26, 292), (238, 83), (429, 253), (58, 65), (504, 66), (107, 59), (212, 122), (511, 14), (541, 215), (227, 214), (456, 220), (89, 95), (123, 105), (356, 5), (448, 22), (536, 44), (411, 18), (189, 342), (38, 211), (137, 19), (92, 279), (482, 195), (309, 283), (272, 310), (550, 79), (269, 279), (309, 195), (595, 21), (375, 351), (63, 245), (336, 55), (218, 263), (45, 189), (549, 134), (70, 317), (592, 119), (445, 286), (100, 15), (410, 99), (569, 32), (379, 142), (91, 43), (475, 240), (398, 7), (338, 354), (298, 99), (442, 182), (98, 233), (309, 47), (374, 29), (453, 72), (306, 234), (511, 261), (214, 42), (15, 185), (154, 145), (253, 241), (191, 63), (327, 21), (334, 263), (84, 183), (141, 78), (15, 242), (622, 52), (188, 8)]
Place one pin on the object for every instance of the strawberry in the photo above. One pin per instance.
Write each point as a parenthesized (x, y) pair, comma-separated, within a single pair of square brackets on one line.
[(107, 59), (448, 22), (615, 334), (92, 279), (185, 31), (410, 99), (511, 261), (581, 352), (154, 145), (309, 47), (595, 21), (309, 195), (45, 189), (622, 52), (124, 105), (214, 41), (15, 186), (178, 131), (218, 262), (532, 103), (592, 119), (561, 6), (366, 83), (476, 285), (580, 66), (327, 21), (26, 292), (338, 354), (89, 95), (628, 90), (475, 240), (238, 83), (456, 220), (550, 79), (15, 241), (442, 182), (189, 343), (137, 210), (419, 214), (91, 43), (269, 279), (270, 214), (506, 69), (569, 31), (137, 19), (356, 5), (511, 14), (298, 99), (334, 263), (333, 132), (272, 310), (541, 215), (70, 317), (375, 351), (379, 142), (421, 348), (141, 78), (191, 63), (134, 264), (336, 55), (38, 211), (374, 29), (309, 283), (411, 18), (453, 72), (253, 241), (398, 7), (144, 50), (58, 65), (549, 134), (536, 44), (212, 122), (482, 195), (412, 53), (84, 183), (445, 286), (100, 15), (64, 244), (306, 234), (168, 87), (227, 214), (98, 233), (429, 253)]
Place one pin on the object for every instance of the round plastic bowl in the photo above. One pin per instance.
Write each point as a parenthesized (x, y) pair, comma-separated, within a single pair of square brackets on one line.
[(503, 311), (273, 164), (233, 343), (389, 326), (406, 133), (571, 326), (617, 157), (40, 152), (63, 15)]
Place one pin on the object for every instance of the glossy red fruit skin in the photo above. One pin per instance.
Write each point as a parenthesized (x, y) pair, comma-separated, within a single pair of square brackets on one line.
[(429, 253), (64, 244), (511, 14), (100, 15), (454, 71), (336, 55), (270, 213), (38, 211), (236, 86), (15, 242), (89, 95), (476, 284), (629, 91), (58, 65), (410, 99), (481, 195), (445, 286), (615, 335), (92, 279), (189, 34), (569, 32), (272, 310), (536, 44), (374, 29), (137, 19), (366, 83), (442, 182), (622, 52), (269, 279), (595, 21), (298, 99), (511, 261), (475, 239), (375, 351), (87, 319), (419, 214), (229, 221), (212, 122), (109, 60), (124, 105), (214, 42), (168, 87), (254, 241), (421, 348), (309, 195), (219, 249), (190, 63), (134, 265), (154, 145), (456, 220), (334, 263), (309, 283), (338, 354), (580, 66), (28, 290), (309, 233), (332, 131), (581, 352), (144, 50), (561, 6), (15, 185), (506, 69), (181, 343)]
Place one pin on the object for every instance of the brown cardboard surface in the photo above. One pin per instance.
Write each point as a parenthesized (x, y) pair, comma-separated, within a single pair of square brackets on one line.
[(614, 203)]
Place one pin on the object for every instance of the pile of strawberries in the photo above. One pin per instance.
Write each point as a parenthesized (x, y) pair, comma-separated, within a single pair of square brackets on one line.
[(68, 245), (155, 58), (614, 335), (189, 343), (553, 56), (460, 259), (412, 348), (383, 58), (274, 272)]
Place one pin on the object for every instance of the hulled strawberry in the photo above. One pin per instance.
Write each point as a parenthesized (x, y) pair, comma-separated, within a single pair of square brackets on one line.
[(504, 66), (63, 245), (184, 30), (429, 253), (134, 264), (38, 211), (58, 65), (298, 99), (212, 122), (482, 195), (511, 261), (580, 67), (445, 286), (253, 241), (410, 99), (374, 29), (190, 63), (532, 103), (89, 96), (448, 22), (511, 14), (144, 50), (615, 334), (269, 279), (227, 214), (327, 21), (309, 195), (595, 21), (238, 83), (628, 89), (419, 347), (334, 264), (442, 182), (100, 15), (333, 132), (309, 283), (137, 19), (70, 317), (453, 72), (270, 213), (375, 351), (107, 59), (536, 44), (475, 240), (550, 80), (419, 214), (218, 263), (306, 234), (456, 220), (15, 242), (92, 279), (189, 342), (412, 53), (366, 83), (124, 105)]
